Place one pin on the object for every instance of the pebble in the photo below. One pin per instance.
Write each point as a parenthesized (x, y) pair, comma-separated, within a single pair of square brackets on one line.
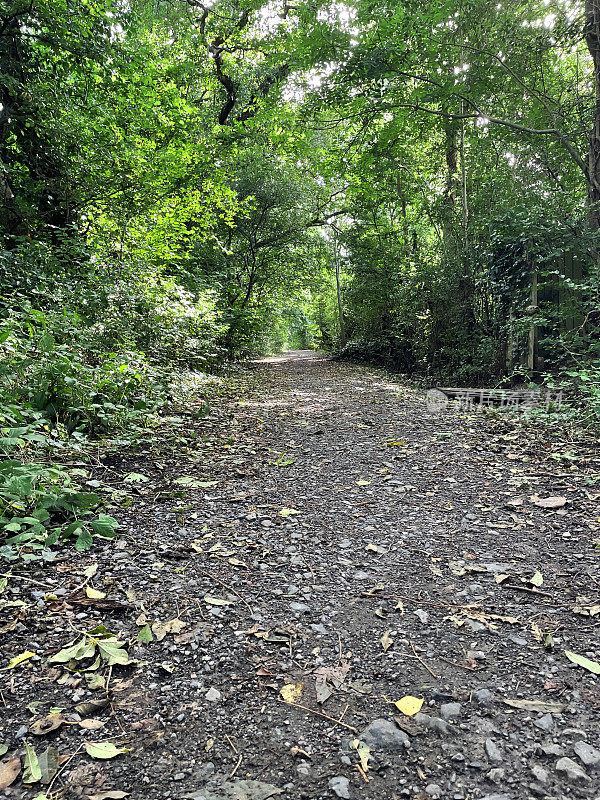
[(496, 775), (383, 734), (482, 696), (571, 769), (552, 750), (450, 711), (493, 751), (340, 786), (588, 755), (539, 773), (433, 790), (300, 608), (434, 724), (213, 695), (422, 615), (545, 723)]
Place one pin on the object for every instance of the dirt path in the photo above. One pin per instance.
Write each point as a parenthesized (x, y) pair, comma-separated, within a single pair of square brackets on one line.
[(330, 537)]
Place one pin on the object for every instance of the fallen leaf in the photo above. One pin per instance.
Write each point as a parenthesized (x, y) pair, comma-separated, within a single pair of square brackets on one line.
[(91, 724), (364, 753), (536, 579), (399, 607), (91, 706), (536, 705), (115, 794), (175, 625), (291, 692), (32, 772), (94, 594), (372, 548), (145, 635), (550, 502), (104, 749), (386, 641), (14, 662), (591, 666), (288, 512), (363, 483), (409, 705), (48, 762), (8, 771), (323, 691), (214, 601), (159, 629), (46, 725)]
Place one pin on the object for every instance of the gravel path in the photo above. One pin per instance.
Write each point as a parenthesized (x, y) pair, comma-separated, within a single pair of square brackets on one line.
[(317, 549)]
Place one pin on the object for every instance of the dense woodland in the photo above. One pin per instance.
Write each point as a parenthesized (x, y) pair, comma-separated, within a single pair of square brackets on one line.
[(183, 184)]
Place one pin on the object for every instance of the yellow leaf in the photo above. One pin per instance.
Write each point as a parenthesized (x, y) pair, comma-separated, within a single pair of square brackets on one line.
[(363, 483), (14, 662), (287, 512), (395, 444), (386, 641), (536, 579), (409, 705), (364, 752), (399, 607), (372, 547), (94, 594), (291, 692)]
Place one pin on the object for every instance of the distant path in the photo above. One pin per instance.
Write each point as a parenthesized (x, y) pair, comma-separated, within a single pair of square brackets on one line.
[(336, 540)]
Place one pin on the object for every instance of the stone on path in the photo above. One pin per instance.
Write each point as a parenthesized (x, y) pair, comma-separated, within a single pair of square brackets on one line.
[(571, 769), (384, 735), (587, 754), (340, 786)]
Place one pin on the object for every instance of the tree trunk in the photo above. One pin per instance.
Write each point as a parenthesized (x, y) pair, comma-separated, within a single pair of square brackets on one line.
[(592, 39)]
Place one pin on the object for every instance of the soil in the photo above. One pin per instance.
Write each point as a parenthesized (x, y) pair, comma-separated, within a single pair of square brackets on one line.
[(322, 533)]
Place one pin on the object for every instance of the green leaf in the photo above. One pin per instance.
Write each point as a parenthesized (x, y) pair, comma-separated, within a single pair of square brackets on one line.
[(22, 657), (32, 772), (84, 541), (145, 634), (85, 648), (591, 666), (104, 749), (112, 652), (48, 763)]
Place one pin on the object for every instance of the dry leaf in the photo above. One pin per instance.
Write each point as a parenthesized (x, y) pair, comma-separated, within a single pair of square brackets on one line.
[(291, 692), (536, 579), (550, 502), (542, 706), (9, 771), (91, 724), (50, 723), (582, 661), (386, 641), (364, 752), (409, 705)]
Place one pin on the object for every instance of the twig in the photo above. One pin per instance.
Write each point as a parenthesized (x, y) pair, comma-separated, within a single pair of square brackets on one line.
[(418, 657), (462, 666), (321, 714), (362, 772), (312, 572), (64, 766), (233, 747), (29, 580), (229, 588), (235, 769)]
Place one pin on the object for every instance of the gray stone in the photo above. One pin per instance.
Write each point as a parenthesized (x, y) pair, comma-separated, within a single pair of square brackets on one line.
[(434, 724), (545, 723), (493, 751), (539, 773), (340, 786), (433, 790), (496, 775), (213, 695), (483, 697), (588, 755), (496, 796), (384, 735), (422, 615), (320, 628), (571, 769), (237, 790), (476, 627), (450, 711), (361, 575), (300, 608), (552, 750)]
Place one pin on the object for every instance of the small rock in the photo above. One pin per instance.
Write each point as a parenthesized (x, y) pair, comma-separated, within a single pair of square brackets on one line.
[(571, 769), (319, 628), (384, 735), (493, 751), (422, 615), (179, 776), (545, 723), (213, 695), (300, 608), (496, 796), (552, 750), (539, 773), (496, 775), (450, 711), (434, 724), (340, 786), (588, 755), (518, 640), (482, 696), (476, 627), (361, 575), (433, 790)]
